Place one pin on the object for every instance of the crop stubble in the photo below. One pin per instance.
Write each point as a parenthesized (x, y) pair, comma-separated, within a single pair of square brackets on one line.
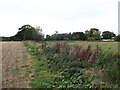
[(14, 56)]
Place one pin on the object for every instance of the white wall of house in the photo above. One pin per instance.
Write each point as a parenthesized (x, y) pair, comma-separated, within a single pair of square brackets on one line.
[(108, 40)]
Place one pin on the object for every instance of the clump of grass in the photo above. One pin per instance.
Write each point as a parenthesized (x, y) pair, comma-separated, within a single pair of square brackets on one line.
[(18, 57), (22, 77), (17, 61), (24, 66), (29, 71)]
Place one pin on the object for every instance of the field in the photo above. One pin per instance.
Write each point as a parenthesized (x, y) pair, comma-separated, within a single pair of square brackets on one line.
[(103, 45), (14, 58), (58, 64)]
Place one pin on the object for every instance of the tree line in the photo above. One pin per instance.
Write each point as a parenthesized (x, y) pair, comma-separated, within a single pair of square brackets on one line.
[(90, 35), (27, 32)]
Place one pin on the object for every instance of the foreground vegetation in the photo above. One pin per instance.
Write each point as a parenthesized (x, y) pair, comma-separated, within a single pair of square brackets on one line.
[(66, 65)]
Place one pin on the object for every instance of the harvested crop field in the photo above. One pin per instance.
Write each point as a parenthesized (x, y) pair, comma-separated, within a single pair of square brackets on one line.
[(16, 65)]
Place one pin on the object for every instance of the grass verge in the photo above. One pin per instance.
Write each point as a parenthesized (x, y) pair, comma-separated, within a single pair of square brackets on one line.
[(43, 77)]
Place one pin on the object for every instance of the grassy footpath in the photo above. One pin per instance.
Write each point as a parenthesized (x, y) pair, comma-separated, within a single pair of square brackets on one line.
[(43, 77)]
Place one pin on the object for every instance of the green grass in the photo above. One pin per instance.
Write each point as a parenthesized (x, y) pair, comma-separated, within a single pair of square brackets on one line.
[(24, 66), (43, 78), (29, 71), (113, 46), (103, 45), (18, 57)]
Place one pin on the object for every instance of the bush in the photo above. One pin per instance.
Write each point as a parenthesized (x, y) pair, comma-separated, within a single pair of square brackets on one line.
[(109, 63)]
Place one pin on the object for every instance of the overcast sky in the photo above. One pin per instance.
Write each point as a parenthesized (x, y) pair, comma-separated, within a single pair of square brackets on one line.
[(63, 16)]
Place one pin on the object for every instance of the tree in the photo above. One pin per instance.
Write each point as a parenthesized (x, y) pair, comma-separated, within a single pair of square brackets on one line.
[(91, 39), (56, 32), (108, 35), (48, 38), (87, 33), (97, 35), (117, 38), (27, 32), (38, 34), (93, 34), (78, 36)]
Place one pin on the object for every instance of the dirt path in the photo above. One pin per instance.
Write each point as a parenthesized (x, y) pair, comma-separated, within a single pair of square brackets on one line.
[(16, 65)]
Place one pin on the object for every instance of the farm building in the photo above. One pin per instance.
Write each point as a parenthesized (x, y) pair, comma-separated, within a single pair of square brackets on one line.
[(108, 39)]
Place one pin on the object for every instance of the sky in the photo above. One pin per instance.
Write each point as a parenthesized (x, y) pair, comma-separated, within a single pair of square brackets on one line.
[(63, 16)]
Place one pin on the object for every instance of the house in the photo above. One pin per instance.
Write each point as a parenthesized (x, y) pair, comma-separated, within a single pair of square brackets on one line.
[(109, 40)]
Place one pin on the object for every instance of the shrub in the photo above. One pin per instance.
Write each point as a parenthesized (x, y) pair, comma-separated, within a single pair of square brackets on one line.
[(109, 62)]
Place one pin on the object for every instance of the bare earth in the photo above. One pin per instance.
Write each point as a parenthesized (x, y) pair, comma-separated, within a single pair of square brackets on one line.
[(16, 65)]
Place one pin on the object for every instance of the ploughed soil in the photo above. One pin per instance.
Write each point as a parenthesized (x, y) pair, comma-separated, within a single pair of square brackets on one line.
[(17, 68)]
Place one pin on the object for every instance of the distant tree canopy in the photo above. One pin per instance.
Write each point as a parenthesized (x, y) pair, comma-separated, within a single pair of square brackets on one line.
[(108, 35), (93, 34), (4, 38), (79, 36), (28, 32), (67, 36)]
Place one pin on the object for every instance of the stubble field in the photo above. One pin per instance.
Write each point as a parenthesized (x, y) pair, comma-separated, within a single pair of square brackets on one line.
[(14, 57)]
